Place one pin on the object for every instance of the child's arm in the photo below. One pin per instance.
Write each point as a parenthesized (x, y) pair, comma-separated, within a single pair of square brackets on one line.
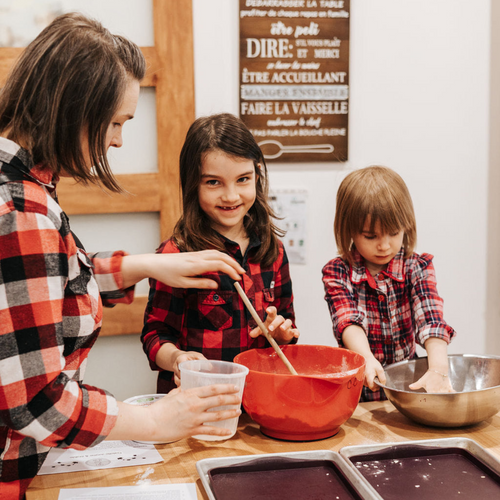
[(354, 338), (280, 317), (436, 378), (342, 300), (163, 320), (280, 329), (169, 357), (433, 332)]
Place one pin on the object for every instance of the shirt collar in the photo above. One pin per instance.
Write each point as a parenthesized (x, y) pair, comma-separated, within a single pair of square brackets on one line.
[(232, 247), (20, 158), (394, 270)]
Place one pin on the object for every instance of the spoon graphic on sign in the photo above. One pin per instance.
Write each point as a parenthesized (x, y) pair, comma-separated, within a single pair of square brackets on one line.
[(271, 145)]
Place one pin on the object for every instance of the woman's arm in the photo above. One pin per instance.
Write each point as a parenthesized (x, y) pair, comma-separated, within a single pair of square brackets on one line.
[(180, 270), (177, 415), (41, 395)]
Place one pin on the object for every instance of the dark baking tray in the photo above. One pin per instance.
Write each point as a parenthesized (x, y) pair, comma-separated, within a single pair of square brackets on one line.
[(438, 469), (314, 475)]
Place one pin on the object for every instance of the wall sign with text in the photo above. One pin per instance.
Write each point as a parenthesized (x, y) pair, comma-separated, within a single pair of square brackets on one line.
[(294, 77)]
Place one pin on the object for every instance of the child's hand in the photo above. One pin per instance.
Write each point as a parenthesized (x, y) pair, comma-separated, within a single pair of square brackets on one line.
[(279, 327), (373, 369), (184, 356), (432, 381)]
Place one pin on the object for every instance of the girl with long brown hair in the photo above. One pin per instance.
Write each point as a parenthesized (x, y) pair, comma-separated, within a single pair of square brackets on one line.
[(225, 207)]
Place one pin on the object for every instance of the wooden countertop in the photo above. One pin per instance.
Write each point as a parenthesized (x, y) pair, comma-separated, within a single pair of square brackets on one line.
[(371, 423)]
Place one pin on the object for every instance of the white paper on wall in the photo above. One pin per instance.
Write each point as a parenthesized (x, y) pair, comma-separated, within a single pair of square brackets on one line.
[(291, 206)]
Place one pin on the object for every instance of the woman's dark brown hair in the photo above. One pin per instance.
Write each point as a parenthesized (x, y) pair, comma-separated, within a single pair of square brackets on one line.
[(377, 194), (68, 83), (227, 133)]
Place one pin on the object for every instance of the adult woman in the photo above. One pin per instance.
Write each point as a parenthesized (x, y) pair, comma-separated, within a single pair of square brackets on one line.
[(62, 107)]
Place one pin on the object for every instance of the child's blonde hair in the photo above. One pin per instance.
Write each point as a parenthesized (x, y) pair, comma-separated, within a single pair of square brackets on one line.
[(377, 194)]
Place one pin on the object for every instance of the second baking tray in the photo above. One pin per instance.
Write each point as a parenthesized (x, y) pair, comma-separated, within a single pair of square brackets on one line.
[(308, 475), (441, 469)]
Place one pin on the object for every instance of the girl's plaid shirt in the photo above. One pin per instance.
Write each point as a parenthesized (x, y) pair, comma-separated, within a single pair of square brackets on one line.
[(50, 316), (396, 308), (215, 322)]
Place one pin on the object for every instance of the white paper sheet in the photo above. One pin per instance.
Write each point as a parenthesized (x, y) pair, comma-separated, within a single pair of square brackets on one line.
[(291, 206), (106, 455), (157, 492)]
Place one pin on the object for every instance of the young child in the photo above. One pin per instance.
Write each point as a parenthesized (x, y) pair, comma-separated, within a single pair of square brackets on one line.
[(225, 207), (382, 296)]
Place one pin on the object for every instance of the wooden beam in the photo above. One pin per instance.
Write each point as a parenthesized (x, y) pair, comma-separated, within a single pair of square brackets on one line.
[(124, 319), (152, 67), (173, 30), (142, 195), (8, 56)]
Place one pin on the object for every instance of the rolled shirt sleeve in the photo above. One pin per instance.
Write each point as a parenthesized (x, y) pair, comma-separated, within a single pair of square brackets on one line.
[(107, 272), (427, 304), (342, 298)]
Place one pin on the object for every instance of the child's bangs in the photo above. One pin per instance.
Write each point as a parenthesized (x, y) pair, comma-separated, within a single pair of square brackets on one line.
[(386, 212)]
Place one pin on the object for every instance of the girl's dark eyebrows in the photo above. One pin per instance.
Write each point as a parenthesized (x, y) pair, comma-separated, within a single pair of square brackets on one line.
[(246, 174)]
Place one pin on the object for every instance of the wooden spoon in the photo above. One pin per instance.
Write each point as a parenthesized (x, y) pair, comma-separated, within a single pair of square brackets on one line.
[(261, 325)]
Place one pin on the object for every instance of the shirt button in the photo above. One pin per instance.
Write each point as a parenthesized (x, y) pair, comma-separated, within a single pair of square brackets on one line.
[(216, 297), (387, 341), (381, 277), (381, 298), (385, 319)]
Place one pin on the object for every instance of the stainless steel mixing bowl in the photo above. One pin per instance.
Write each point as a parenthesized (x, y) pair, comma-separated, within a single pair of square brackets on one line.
[(476, 380)]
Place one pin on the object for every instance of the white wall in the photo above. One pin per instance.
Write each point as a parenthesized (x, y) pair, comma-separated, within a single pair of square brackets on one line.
[(419, 104), (419, 73)]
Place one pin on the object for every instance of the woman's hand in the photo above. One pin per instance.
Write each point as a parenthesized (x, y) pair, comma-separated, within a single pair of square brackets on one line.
[(188, 411), (373, 369), (178, 415), (279, 327), (181, 356), (179, 270), (432, 381)]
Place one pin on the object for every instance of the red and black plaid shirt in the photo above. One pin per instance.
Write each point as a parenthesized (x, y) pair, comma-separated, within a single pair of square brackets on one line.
[(215, 322), (50, 316), (396, 308)]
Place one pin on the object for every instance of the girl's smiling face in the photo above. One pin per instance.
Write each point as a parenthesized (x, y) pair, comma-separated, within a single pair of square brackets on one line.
[(226, 191), (376, 247)]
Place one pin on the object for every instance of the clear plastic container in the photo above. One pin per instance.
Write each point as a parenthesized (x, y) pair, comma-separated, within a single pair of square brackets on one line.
[(199, 373)]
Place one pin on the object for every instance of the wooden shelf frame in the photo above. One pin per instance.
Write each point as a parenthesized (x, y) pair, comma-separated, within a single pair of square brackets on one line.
[(170, 69)]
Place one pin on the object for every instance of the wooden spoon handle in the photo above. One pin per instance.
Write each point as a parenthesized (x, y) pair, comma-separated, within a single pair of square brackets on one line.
[(261, 325)]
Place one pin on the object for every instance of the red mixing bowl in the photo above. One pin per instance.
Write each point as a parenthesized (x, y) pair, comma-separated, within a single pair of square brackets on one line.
[(308, 406)]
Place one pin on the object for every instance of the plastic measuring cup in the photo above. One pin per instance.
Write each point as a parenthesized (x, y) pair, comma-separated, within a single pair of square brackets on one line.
[(198, 373)]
